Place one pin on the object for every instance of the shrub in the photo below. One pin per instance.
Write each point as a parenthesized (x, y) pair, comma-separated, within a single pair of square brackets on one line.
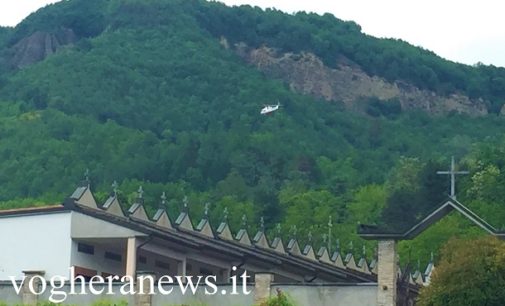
[(280, 300)]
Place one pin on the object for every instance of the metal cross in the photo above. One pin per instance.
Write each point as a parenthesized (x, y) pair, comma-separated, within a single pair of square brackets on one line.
[(185, 202), (244, 221), (225, 215), (452, 172), (294, 231), (330, 226), (207, 206), (114, 187), (140, 192), (86, 176)]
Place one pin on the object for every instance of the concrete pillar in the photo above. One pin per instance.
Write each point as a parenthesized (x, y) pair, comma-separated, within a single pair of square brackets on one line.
[(226, 273), (131, 257), (29, 297), (262, 283), (144, 287), (387, 274), (181, 267)]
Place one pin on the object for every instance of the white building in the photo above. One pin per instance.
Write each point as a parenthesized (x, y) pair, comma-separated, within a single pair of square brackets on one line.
[(105, 240)]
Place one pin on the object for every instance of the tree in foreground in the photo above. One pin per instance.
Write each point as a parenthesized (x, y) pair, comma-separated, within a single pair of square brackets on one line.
[(470, 272)]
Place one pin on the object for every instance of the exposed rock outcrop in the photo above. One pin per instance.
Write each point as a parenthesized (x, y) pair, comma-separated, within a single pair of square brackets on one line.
[(39, 45), (306, 73)]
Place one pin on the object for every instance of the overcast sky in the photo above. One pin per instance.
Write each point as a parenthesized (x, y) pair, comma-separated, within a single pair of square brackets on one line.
[(462, 31)]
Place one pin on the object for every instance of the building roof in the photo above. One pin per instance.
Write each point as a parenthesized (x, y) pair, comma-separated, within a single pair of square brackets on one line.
[(79, 191), (374, 232), (32, 210), (240, 247), (216, 244)]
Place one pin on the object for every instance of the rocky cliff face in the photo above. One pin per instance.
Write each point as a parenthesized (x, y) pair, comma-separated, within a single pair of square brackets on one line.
[(39, 45), (306, 73)]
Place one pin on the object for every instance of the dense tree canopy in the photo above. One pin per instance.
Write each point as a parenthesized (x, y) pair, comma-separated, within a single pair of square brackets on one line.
[(470, 272)]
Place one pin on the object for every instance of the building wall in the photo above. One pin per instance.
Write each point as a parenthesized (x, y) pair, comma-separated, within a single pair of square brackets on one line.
[(302, 295), (146, 261), (200, 298), (196, 264), (196, 268), (87, 227), (330, 295), (104, 237), (97, 261), (156, 263), (8, 294), (90, 299), (35, 242)]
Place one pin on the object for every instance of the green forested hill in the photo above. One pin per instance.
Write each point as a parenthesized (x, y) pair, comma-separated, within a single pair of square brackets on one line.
[(147, 95)]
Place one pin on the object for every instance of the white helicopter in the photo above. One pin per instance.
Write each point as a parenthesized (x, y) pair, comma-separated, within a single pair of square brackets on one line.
[(268, 109)]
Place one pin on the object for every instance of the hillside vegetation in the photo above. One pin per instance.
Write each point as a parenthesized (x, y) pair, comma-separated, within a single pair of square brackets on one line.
[(145, 94)]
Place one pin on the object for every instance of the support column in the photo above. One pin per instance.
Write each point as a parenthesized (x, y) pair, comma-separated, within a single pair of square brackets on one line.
[(131, 257), (387, 273), (145, 285), (262, 283), (181, 268), (226, 273), (34, 277)]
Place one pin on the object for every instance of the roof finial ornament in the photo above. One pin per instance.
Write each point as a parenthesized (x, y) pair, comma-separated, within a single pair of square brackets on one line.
[(364, 250), (115, 188), (225, 215), (351, 247), (338, 245), (262, 224), (163, 199), (431, 257), (278, 227), (309, 237), (330, 228), (452, 172), (206, 213), (185, 204), (325, 239), (244, 221), (140, 193), (86, 177), (293, 231)]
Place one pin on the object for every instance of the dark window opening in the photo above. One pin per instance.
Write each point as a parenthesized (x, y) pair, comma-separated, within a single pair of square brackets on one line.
[(205, 272), (161, 264), (85, 248), (113, 256)]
